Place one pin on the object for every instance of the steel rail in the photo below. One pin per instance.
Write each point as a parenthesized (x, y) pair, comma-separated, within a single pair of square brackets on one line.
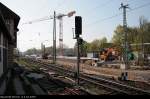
[(115, 86)]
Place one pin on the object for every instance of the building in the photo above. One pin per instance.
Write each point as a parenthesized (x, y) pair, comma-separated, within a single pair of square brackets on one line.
[(93, 54), (8, 37)]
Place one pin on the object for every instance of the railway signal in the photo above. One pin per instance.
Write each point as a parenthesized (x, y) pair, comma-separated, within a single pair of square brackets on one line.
[(78, 26), (78, 32)]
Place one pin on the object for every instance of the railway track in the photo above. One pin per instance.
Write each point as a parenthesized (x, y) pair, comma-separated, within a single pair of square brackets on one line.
[(107, 84), (54, 86), (115, 86)]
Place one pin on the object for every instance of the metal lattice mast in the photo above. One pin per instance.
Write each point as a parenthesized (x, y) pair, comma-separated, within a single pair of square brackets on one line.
[(124, 7)]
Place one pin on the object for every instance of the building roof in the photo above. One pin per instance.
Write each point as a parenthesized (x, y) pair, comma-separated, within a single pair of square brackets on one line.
[(3, 26), (9, 14), (6, 13)]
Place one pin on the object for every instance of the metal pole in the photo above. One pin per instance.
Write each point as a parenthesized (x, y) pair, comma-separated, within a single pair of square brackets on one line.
[(55, 35), (143, 53), (125, 33), (61, 36), (124, 7), (54, 38), (42, 49), (78, 61), (78, 32)]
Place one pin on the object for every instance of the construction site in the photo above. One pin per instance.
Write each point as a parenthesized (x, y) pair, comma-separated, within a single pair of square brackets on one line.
[(39, 64)]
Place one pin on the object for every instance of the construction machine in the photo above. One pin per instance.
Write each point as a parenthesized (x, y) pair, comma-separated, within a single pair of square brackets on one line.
[(109, 54)]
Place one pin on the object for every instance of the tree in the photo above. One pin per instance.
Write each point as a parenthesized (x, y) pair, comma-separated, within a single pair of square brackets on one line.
[(95, 45), (144, 33), (132, 37), (84, 48), (135, 35), (103, 43), (118, 36), (31, 51)]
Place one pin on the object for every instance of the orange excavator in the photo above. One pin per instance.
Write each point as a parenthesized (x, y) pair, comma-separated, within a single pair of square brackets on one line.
[(109, 54)]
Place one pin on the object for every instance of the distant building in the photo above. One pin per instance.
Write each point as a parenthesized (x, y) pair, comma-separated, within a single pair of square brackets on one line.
[(8, 37), (94, 54)]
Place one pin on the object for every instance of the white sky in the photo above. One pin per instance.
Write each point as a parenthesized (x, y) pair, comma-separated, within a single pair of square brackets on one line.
[(92, 11)]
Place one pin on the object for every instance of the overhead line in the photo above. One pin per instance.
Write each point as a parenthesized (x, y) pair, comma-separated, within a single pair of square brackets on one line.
[(98, 21), (60, 4), (142, 6), (44, 18), (111, 17), (100, 6), (131, 1), (108, 3)]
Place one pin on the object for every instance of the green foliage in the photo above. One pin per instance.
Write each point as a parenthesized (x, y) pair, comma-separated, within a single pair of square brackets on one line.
[(95, 45), (118, 35), (98, 44), (135, 35), (31, 51), (48, 50)]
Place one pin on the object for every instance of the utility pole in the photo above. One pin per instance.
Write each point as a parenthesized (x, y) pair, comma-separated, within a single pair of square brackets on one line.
[(125, 56), (61, 36), (54, 38)]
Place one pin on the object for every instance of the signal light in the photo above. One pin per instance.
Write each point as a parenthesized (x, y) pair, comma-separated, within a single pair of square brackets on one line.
[(78, 25)]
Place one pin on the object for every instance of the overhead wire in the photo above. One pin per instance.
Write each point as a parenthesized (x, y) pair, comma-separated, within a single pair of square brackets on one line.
[(99, 6), (43, 18), (98, 21), (116, 15), (111, 17), (141, 6), (60, 4)]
